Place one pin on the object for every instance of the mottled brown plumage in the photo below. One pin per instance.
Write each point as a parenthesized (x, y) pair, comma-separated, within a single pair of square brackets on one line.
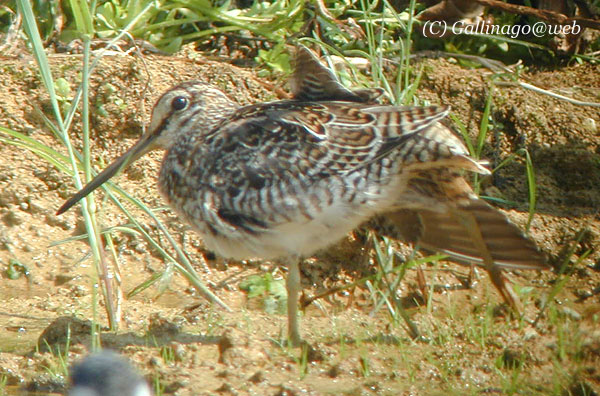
[(285, 179)]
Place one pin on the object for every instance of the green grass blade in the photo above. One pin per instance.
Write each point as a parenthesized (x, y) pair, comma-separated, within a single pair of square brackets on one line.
[(33, 33), (464, 133), (484, 126), (531, 188)]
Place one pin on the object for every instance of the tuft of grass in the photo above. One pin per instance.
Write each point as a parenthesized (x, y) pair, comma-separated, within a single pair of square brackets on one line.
[(302, 361), (158, 386), (3, 383), (364, 363), (270, 291), (531, 183), (59, 366), (167, 353)]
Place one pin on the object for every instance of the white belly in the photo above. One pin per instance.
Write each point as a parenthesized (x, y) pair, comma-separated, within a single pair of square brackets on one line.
[(296, 238)]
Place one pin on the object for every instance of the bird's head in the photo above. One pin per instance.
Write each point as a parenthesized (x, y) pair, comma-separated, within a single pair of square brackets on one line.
[(188, 108)]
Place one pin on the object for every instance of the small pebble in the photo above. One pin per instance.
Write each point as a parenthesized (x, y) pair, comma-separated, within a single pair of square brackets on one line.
[(13, 218), (571, 313)]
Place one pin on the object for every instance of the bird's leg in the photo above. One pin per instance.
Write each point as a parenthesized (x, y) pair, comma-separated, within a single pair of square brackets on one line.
[(293, 287)]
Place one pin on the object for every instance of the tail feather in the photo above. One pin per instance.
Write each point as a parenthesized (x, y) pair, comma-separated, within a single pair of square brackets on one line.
[(448, 233)]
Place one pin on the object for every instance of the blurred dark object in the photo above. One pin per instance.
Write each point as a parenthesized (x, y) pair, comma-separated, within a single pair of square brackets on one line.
[(106, 374), (452, 11)]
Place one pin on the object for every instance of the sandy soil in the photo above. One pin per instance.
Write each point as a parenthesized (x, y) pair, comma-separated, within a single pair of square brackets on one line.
[(193, 348)]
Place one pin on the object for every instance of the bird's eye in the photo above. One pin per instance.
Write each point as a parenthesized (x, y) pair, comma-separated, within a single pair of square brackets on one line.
[(179, 103)]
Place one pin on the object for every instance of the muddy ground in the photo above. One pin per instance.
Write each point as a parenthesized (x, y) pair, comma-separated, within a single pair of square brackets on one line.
[(192, 348)]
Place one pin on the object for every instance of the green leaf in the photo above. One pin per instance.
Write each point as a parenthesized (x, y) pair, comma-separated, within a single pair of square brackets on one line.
[(83, 17), (16, 269), (63, 89)]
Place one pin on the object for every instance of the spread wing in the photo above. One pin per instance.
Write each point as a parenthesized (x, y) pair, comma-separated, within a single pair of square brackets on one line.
[(337, 137), (312, 81)]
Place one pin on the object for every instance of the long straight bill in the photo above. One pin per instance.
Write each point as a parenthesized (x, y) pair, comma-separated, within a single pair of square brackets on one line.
[(136, 151)]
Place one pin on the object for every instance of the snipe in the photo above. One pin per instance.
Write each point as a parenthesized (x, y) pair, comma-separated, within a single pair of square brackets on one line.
[(284, 179)]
